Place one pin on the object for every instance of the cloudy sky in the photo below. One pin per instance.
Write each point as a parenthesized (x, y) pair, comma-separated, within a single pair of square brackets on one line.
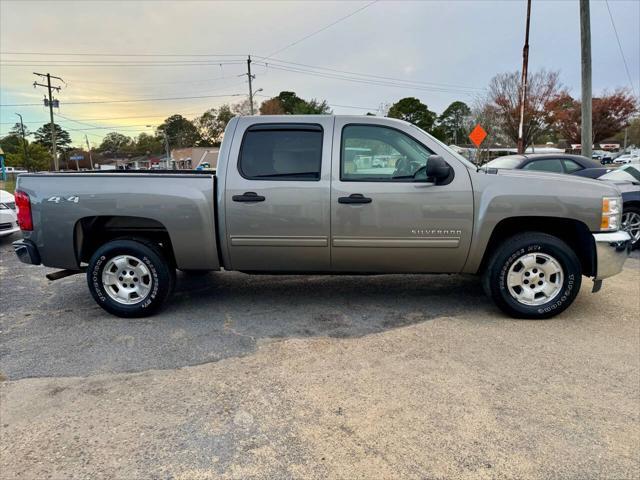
[(126, 65)]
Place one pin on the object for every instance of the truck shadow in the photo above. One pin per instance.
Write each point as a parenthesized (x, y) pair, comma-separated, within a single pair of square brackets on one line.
[(330, 305)]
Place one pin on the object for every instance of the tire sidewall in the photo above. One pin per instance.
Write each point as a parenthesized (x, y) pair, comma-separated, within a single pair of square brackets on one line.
[(160, 279), (571, 282), (632, 209)]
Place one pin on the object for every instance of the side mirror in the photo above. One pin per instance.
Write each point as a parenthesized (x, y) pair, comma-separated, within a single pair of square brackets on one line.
[(438, 169)]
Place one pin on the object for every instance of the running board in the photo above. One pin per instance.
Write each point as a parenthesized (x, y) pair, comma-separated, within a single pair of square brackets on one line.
[(63, 274), (597, 285)]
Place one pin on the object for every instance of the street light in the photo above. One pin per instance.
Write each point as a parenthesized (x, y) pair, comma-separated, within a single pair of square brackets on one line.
[(24, 143)]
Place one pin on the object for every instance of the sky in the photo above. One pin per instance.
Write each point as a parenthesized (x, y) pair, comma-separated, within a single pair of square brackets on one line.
[(127, 65)]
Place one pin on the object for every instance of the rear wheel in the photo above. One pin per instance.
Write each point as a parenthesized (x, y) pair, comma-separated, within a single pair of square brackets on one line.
[(130, 278), (631, 224), (533, 275)]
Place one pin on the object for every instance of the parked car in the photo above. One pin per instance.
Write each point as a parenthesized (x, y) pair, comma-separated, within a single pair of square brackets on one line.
[(14, 170), (8, 220), (627, 179), (550, 162), (627, 158), (287, 198)]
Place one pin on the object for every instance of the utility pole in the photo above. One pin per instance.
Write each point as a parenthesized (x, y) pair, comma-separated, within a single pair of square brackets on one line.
[(523, 83), (24, 143), (251, 77), (585, 48), (53, 129), (89, 149), (166, 148)]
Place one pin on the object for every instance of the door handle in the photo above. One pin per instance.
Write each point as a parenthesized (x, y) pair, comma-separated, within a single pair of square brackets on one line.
[(248, 197), (354, 198)]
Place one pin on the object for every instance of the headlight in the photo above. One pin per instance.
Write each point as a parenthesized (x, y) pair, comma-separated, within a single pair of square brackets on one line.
[(611, 212)]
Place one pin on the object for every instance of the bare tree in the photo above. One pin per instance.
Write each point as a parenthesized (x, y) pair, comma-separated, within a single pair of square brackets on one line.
[(502, 103)]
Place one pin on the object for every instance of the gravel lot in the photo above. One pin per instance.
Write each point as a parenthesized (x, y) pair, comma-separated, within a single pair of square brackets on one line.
[(397, 376)]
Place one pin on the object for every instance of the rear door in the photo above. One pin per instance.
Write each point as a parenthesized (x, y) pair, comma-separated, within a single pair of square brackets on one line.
[(385, 215), (277, 195)]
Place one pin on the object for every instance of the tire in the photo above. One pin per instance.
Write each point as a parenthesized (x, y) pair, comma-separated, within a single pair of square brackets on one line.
[(630, 219), (140, 288), (520, 264)]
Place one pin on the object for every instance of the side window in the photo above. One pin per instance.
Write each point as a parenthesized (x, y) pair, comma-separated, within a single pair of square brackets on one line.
[(550, 165), (570, 166), (281, 152), (372, 153)]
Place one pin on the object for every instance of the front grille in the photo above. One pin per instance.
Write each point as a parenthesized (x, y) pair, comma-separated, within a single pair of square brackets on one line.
[(5, 226)]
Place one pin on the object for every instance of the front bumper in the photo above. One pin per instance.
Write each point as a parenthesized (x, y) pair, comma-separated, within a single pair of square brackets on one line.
[(26, 251), (612, 249)]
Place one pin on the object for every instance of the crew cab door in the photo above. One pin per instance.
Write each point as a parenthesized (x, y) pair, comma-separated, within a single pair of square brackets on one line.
[(386, 216), (277, 195)]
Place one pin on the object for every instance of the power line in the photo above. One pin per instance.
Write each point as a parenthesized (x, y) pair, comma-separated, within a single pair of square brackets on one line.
[(104, 54), (127, 101), (624, 60), (372, 82), (17, 63), (396, 79), (322, 29)]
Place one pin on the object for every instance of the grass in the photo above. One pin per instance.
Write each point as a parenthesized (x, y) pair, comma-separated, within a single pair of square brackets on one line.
[(9, 185)]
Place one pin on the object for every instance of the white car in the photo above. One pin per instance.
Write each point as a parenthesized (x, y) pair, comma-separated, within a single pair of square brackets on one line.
[(14, 170), (8, 219), (627, 158)]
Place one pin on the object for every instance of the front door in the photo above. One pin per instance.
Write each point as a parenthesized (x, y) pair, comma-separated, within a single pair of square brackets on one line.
[(386, 216), (277, 195)]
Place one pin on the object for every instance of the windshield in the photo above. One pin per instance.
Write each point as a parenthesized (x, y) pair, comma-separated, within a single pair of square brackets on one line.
[(629, 173), (504, 162)]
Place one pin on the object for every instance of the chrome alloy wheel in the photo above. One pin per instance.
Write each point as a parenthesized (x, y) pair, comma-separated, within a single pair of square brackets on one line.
[(631, 225), (126, 279), (535, 279)]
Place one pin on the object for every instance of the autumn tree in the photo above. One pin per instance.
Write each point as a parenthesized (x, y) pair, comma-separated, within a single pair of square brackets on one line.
[(292, 104), (412, 110), (273, 106), (611, 113), (502, 102)]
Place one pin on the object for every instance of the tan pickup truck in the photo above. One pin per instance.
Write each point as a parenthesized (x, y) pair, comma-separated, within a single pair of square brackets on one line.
[(325, 194)]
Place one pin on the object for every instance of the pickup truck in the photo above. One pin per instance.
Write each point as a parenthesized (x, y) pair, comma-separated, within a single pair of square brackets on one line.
[(325, 194)]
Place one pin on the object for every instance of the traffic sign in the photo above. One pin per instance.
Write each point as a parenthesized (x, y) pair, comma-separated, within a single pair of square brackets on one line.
[(477, 135), (77, 157)]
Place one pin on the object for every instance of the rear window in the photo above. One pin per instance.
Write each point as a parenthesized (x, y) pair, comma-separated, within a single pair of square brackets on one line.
[(505, 162), (281, 152)]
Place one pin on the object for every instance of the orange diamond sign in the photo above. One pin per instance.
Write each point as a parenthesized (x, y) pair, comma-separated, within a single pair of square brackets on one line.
[(477, 135)]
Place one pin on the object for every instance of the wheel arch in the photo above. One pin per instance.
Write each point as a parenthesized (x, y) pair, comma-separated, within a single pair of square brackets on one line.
[(94, 231), (573, 232)]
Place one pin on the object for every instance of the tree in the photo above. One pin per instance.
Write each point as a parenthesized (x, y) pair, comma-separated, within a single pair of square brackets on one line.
[(115, 144), (273, 106), (212, 123), (145, 144), (39, 158), (453, 123), (180, 132), (17, 130), (11, 143), (611, 113), (414, 111), (43, 137), (293, 105), (632, 132), (503, 102)]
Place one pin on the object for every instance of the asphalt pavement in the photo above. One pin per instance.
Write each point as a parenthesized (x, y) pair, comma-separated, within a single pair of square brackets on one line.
[(390, 376)]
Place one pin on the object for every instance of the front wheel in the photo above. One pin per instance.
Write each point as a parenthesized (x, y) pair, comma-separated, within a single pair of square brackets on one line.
[(129, 278), (631, 224), (533, 275)]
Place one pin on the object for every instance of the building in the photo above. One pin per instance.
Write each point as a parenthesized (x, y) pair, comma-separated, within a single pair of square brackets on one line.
[(194, 157)]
